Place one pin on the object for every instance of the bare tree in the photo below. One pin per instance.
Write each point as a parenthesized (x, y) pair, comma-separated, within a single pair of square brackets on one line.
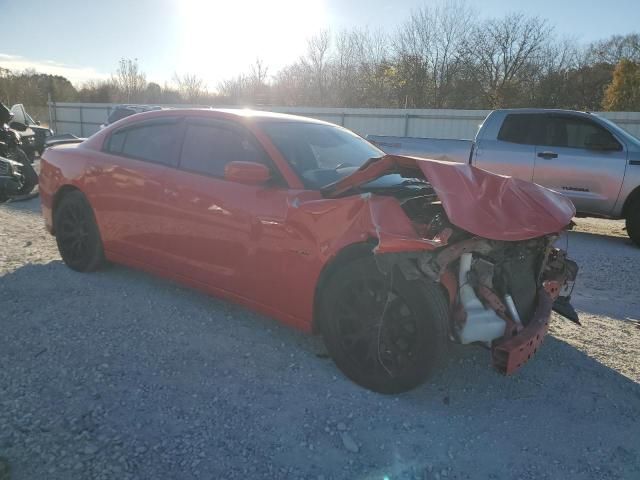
[(315, 61), (190, 86), (615, 49), (129, 80), (502, 50), (235, 89), (259, 71), (429, 48)]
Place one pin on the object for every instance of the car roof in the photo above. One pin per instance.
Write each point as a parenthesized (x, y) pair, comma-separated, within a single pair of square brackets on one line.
[(243, 114), (540, 110)]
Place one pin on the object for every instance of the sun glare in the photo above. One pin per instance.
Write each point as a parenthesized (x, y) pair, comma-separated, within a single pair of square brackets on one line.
[(219, 39)]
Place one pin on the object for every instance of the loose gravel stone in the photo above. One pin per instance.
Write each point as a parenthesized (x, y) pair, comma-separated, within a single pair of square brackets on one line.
[(94, 368), (349, 443)]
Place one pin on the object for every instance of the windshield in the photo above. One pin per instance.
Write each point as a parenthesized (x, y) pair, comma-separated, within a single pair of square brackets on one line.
[(321, 154)]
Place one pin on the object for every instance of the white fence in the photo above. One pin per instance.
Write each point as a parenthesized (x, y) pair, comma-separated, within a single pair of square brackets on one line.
[(84, 119)]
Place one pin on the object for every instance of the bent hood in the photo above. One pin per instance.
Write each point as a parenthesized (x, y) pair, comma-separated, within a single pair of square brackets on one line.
[(483, 203)]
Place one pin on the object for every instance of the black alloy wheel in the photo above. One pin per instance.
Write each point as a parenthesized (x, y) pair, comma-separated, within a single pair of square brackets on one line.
[(77, 234), (383, 333)]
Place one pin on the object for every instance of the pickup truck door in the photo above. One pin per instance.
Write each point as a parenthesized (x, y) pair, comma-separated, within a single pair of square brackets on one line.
[(511, 150), (582, 159)]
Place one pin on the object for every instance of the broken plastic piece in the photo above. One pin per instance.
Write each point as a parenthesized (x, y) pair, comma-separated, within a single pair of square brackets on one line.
[(562, 306)]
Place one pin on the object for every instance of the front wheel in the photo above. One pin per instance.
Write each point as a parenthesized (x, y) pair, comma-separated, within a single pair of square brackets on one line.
[(383, 332), (633, 222), (77, 233)]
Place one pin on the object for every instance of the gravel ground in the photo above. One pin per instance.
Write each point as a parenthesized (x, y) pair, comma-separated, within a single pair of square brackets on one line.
[(120, 375)]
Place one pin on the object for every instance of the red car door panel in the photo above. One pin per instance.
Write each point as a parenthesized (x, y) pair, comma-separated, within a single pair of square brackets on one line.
[(226, 234), (126, 189)]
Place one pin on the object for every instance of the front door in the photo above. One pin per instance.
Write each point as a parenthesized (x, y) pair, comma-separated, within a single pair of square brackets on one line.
[(581, 159), (220, 230)]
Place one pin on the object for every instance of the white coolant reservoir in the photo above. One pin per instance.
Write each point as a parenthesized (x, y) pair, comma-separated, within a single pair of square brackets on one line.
[(483, 324)]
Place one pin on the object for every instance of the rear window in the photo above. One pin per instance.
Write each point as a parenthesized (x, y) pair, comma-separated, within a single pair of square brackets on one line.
[(519, 128), (155, 142)]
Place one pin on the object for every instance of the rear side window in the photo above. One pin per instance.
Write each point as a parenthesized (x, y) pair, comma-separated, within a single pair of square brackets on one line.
[(574, 132), (208, 147), (153, 142), (520, 128), (117, 142)]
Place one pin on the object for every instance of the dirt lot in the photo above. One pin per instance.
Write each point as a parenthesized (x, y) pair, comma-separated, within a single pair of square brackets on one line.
[(121, 375)]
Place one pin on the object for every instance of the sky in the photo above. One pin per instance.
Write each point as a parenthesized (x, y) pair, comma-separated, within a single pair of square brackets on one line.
[(218, 39)]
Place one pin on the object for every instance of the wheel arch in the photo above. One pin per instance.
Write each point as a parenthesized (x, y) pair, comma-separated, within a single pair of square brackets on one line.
[(344, 256)]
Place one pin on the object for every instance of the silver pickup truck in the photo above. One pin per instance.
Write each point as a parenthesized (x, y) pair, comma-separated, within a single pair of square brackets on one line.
[(587, 157)]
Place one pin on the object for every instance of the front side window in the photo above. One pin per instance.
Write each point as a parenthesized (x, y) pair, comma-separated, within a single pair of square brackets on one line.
[(208, 147), (320, 154), (575, 132), (155, 142)]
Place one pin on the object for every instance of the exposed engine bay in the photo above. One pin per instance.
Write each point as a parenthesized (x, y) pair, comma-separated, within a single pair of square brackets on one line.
[(501, 292)]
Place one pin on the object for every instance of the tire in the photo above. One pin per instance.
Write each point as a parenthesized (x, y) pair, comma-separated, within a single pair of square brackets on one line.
[(29, 174), (633, 222), (77, 234), (388, 353)]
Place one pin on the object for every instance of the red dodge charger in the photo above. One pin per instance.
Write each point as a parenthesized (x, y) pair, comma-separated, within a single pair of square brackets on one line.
[(388, 257)]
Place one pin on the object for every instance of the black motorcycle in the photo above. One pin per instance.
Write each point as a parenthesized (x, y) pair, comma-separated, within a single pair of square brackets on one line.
[(23, 178)]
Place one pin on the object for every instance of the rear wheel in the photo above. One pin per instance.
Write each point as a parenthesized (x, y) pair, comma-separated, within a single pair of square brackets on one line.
[(77, 233), (384, 333), (633, 222)]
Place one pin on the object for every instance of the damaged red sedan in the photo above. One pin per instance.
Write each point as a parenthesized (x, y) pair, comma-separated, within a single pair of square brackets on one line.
[(388, 257)]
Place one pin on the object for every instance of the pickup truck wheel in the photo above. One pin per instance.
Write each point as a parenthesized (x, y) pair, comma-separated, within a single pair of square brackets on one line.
[(384, 333), (77, 233), (633, 222)]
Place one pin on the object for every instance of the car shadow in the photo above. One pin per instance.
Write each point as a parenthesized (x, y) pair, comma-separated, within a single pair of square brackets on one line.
[(119, 333)]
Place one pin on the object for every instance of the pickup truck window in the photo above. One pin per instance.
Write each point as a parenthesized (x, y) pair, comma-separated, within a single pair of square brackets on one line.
[(519, 128), (575, 132)]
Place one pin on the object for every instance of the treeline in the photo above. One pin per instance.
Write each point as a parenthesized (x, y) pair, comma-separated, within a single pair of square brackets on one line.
[(440, 57)]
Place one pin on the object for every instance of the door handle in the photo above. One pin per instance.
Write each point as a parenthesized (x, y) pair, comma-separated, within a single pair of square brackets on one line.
[(547, 155)]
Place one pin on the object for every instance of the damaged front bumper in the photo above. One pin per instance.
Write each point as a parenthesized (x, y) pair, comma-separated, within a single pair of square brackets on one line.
[(501, 293), (509, 354)]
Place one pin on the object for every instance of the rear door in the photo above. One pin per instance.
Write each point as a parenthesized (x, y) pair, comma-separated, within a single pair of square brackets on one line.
[(510, 150), (127, 191), (571, 159)]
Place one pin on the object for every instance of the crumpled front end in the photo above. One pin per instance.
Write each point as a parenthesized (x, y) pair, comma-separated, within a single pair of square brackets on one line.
[(487, 239), (501, 293)]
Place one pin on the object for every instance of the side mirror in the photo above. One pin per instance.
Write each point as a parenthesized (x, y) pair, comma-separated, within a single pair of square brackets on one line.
[(38, 122), (19, 126), (249, 173)]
